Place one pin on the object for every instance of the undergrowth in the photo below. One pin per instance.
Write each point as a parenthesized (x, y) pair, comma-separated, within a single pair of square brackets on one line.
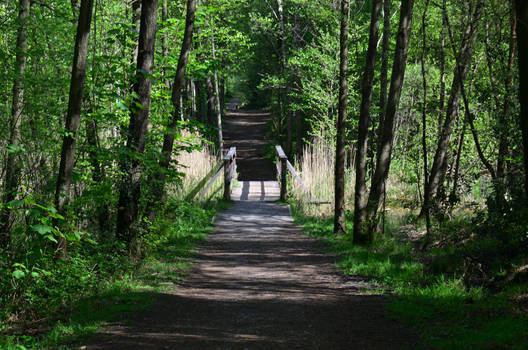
[(428, 290), (93, 288)]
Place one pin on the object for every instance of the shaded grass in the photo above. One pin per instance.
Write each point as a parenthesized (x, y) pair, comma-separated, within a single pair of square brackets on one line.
[(436, 302), (133, 287)]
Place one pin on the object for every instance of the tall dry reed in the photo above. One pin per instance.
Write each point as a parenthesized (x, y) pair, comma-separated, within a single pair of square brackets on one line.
[(195, 166), (316, 169)]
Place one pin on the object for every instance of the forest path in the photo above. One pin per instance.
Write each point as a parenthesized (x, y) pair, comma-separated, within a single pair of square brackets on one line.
[(260, 283), (247, 131)]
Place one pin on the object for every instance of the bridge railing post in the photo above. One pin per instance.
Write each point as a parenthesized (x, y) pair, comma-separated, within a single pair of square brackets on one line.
[(229, 171), (282, 164)]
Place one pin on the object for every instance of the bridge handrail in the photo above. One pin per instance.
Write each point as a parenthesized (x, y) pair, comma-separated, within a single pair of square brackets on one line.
[(284, 165), (229, 167)]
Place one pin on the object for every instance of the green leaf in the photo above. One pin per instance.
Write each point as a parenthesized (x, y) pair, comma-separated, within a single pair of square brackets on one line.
[(122, 106), (14, 204), (14, 149), (51, 238), (18, 274), (41, 229), (22, 266)]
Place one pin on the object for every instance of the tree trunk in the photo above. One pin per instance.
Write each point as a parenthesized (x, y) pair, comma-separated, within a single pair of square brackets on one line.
[(222, 92), (12, 163), (424, 128), (384, 56), (383, 157), (441, 100), (360, 234), (505, 115), (131, 166), (465, 57), (73, 116), (339, 210), (200, 108), (218, 117), (384, 71), (164, 41), (218, 105), (136, 21), (194, 110), (282, 91), (159, 195), (453, 196), (299, 133), (210, 101), (521, 8)]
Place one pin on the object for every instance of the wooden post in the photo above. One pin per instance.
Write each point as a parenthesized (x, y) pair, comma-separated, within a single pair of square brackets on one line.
[(283, 180), (229, 169), (227, 179), (283, 160)]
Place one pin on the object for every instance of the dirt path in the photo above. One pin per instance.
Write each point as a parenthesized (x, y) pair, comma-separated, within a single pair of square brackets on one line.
[(259, 283), (246, 130)]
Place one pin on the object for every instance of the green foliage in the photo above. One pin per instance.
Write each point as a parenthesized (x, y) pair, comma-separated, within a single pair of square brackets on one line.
[(447, 313), (96, 285), (34, 283)]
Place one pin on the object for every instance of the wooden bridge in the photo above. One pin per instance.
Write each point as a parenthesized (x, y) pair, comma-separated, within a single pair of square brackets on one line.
[(252, 190), (248, 174)]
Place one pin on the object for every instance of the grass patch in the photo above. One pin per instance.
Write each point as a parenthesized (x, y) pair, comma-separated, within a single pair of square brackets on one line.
[(447, 314), (131, 287)]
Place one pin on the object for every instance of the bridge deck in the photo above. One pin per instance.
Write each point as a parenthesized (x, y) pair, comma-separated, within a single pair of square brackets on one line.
[(266, 191)]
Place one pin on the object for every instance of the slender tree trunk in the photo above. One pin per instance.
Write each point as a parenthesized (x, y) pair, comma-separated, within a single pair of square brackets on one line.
[(164, 40), (505, 115), (298, 112), (11, 182), (218, 117), (453, 197), (299, 132), (73, 116), (339, 210), (465, 57), (480, 153), (424, 128), (441, 100), (200, 108), (360, 234), (217, 100), (210, 101), (131, 166), (521, 8), (194, 110), (222, 92), (136, 20), (384, 57), (159, 196), (383, 157), (282, 91)]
